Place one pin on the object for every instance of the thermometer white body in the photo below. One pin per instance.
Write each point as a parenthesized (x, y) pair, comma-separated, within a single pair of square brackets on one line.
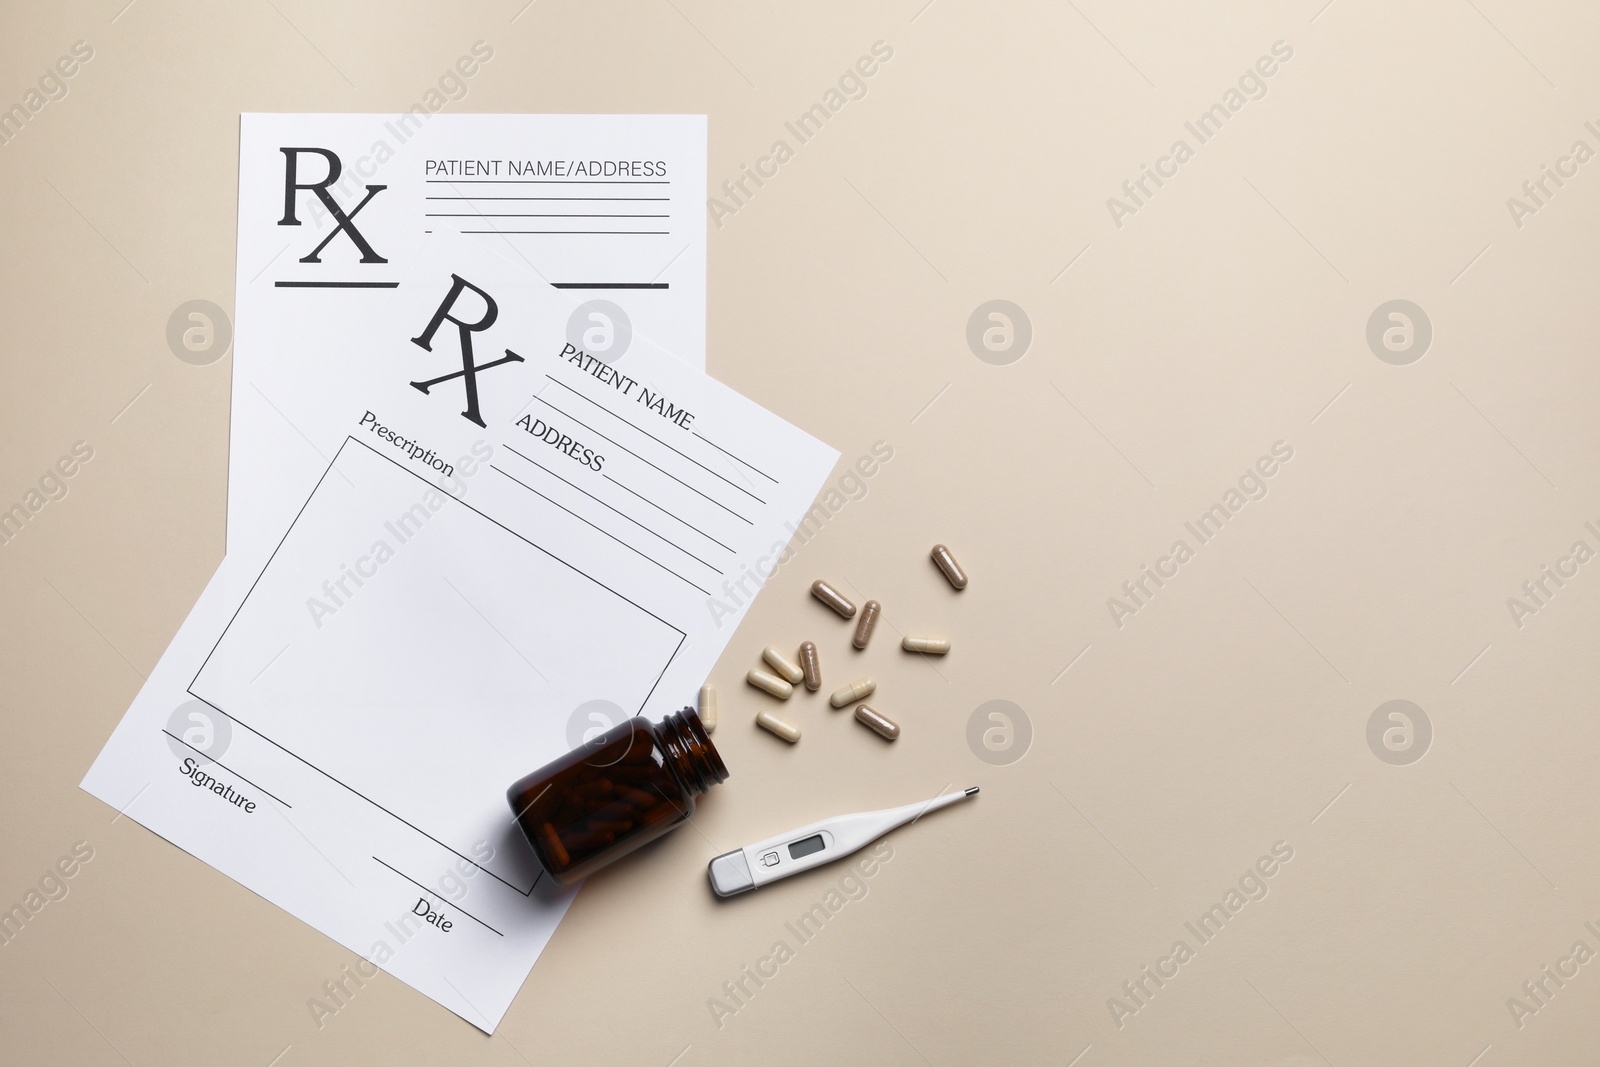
[(811, 846)]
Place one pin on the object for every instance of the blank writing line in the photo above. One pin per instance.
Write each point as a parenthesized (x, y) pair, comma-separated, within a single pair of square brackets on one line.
[(610, 285), (579, 233), (730, 455), (641, 198), (658, 440), (667, 513), (442, 900), (534, 215), (224, 766), (624, 514), (337, 285), (608, 533), (641, 459)]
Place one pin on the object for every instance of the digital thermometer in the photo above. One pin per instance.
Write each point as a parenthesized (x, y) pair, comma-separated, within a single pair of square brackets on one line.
[(812, 846)]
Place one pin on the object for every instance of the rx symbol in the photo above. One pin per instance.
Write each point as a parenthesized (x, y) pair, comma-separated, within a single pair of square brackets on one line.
[(346, 220), (469, 370)]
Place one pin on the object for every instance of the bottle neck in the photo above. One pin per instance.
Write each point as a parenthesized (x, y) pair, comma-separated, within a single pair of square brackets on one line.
[(689, 751)]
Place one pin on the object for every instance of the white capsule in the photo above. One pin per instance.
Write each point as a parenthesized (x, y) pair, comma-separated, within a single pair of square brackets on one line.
[(768, 721), (782, 664), (708, 707), (860, 689), (933, 646), (770, 683)]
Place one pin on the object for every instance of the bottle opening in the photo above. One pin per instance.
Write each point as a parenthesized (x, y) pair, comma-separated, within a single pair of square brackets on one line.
[(693, 755)]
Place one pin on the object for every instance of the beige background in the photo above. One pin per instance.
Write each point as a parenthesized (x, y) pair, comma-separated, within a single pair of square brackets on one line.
[(1168, 755)]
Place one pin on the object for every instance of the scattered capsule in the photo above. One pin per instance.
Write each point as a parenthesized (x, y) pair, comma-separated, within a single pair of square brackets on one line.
[(952, 569), (860, 689), (933, 646), (768, 721), (708, 707), (770, 683), (833, 598), (782, 664), (884, 728), (867, 623), (810, 667)]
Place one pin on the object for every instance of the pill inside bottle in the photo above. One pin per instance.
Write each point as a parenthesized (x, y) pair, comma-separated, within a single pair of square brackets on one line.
[(622, 789)]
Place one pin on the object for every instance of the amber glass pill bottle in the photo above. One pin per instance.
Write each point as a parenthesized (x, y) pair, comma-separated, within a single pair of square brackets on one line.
[(622, 789)]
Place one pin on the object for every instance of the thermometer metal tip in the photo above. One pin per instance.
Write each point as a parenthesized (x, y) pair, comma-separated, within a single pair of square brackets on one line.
[(811, 846)]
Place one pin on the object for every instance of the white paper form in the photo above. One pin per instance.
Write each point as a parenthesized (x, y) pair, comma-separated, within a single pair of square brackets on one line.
[(443, 606), (332, 209)]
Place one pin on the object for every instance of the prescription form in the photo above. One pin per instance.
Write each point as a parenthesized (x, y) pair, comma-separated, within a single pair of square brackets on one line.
[(441, 608), (332, 208)]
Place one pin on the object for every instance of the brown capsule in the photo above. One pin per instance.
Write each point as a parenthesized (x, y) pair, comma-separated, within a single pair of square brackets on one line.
[(587, 841), (657, 813), (570, 810), (879, 725), (553, 843), (810, 667), (833, 598), (597, 788), (617, 809), (947, 563), (574, 806), (630, 773), (867, 623), (637, 797)]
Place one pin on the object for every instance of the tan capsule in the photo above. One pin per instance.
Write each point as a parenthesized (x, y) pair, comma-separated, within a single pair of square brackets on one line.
[(867, 623), (770, 683), (782, 664), (952, 569), (833, 598), (879, 725), (860, 689), (768, 721), (708, 707), (933, 646), (809, 665)]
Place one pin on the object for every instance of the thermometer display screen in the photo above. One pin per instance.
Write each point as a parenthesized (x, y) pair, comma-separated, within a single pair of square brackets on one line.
[(806, 846)]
